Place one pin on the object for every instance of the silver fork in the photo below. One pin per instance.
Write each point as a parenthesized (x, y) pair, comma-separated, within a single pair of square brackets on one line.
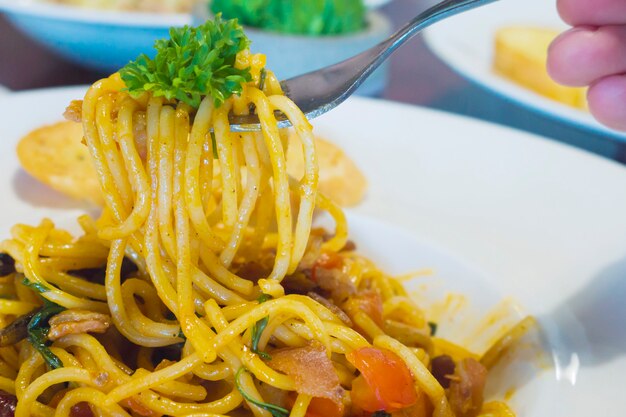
[(320, 91)]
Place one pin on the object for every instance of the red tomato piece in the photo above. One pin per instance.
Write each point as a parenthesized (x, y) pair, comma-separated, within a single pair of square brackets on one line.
[(323, 407), (386, 382)]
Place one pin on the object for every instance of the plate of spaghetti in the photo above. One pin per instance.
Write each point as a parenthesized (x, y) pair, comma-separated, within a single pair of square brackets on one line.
[(210, 282)]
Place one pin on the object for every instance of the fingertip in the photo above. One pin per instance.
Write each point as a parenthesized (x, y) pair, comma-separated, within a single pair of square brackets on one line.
[(592, 12), (566, 53), (555, 63), (607, 101), (567, 10), (576, 12)]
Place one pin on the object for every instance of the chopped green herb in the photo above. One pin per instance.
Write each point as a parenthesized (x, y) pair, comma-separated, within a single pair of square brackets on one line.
[(35, 286), (38, 329), (433, 328), (194, 63), (257, 331), (275, 410), (214, 145), (262, 78), (310, 17), (263, 298)]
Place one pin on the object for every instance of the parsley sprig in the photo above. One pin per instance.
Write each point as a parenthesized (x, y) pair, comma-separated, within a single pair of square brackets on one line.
[(37, 326), (195, 62), (257, 331), (275, 410), (38, 329)]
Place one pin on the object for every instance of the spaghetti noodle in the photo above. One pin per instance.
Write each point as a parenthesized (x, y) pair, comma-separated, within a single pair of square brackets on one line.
[(203, 288)]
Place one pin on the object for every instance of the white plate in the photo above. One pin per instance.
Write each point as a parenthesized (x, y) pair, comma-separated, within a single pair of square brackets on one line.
[(465, 42), (495, 212)]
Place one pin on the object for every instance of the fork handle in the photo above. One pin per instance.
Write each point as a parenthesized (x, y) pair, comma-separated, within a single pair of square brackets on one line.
[(379, 53)]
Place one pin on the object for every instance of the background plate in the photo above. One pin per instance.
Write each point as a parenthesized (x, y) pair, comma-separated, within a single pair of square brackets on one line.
[(465, 42)]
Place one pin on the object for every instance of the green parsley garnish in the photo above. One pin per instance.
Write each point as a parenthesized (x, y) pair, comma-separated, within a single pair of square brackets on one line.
[(262, 79), (275, 410), (37, 332), (257, 331), (194, 63), (35, 286)]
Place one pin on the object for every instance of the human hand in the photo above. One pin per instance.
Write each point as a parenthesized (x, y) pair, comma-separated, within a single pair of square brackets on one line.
[(593, 53)]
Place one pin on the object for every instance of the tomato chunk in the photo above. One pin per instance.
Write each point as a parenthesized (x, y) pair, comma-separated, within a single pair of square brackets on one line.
[(371, 303), (385, 382), (323, 407)]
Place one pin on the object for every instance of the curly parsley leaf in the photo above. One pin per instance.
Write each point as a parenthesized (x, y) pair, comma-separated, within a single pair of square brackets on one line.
[(194, 63)]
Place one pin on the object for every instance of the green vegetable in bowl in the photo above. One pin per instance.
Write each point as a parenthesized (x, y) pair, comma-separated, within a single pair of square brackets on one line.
[(307, 17)]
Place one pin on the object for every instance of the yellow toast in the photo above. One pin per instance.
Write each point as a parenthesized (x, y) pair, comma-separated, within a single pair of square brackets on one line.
[(521, 54)]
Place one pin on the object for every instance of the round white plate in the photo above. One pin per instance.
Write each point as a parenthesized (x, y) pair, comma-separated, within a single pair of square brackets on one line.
[(465, 42), (495, 212)]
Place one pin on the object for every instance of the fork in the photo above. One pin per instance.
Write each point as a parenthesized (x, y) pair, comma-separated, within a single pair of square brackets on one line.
[(322, 90)]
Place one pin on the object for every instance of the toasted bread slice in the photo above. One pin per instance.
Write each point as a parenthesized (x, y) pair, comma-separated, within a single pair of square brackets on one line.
[(340, 179), (56, 156), (521, 54)]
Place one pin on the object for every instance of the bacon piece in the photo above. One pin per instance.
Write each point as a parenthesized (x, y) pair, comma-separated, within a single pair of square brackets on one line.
[(370, 302), (333, 281), (328, 260), (332, 307), (74, 112), (409, 335), (466, 388), (76, 321), (311, 369)]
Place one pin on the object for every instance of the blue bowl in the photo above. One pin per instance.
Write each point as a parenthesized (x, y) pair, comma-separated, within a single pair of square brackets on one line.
[(100, 39)]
